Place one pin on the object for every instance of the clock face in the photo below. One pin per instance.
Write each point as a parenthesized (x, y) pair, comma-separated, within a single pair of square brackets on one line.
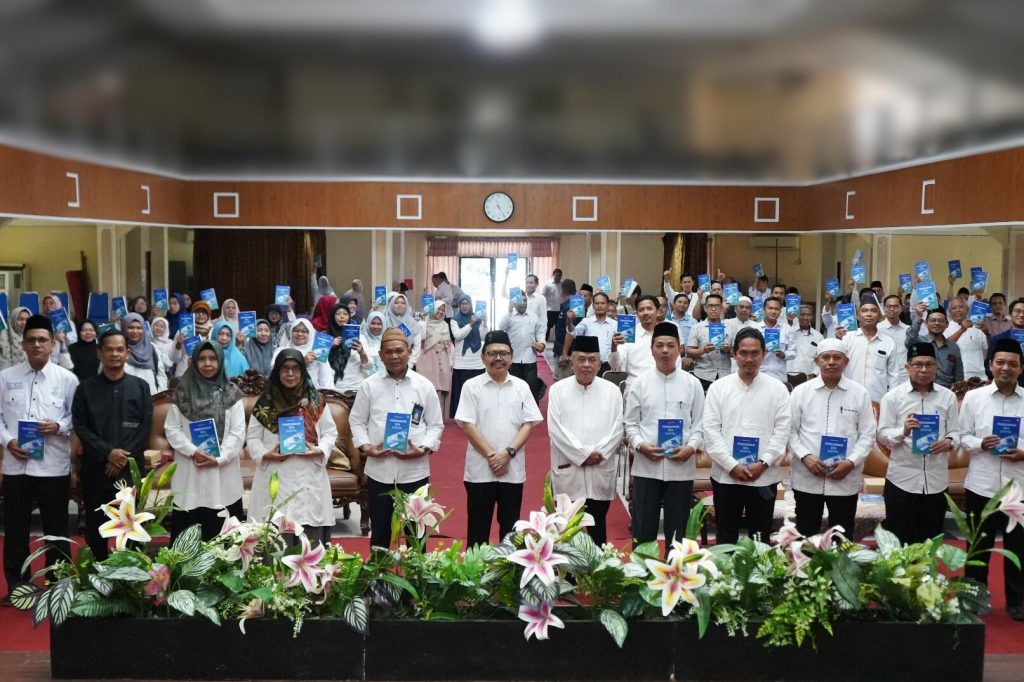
[(498, 207)]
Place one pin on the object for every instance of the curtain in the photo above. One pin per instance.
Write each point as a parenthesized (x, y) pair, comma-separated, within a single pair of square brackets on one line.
[(685, 253), (443, 253)]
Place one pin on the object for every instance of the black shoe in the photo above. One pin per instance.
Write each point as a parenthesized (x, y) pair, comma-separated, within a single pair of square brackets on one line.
[(1016, 612)]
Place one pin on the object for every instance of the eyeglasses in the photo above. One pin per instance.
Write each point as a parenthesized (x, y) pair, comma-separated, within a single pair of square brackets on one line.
[(501, 354), (923, 365), (36, 340), (291, 369)]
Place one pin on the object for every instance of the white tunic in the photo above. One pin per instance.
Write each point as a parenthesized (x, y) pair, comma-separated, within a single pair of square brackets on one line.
[(805, 344), (471, 359), (320, 372), (26, 394), (582, 420), (912, 473), (524, 329), (988, 472), (773, 365), (897, 333), (209, 487), (633, 358), (872, 362), (973, 348), (655, 396), (355, 370)]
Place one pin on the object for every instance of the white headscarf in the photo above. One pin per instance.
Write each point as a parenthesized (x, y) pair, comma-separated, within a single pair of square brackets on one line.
[(308, 346)]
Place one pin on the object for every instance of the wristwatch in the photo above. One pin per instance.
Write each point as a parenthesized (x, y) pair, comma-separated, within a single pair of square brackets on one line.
[(511, 452), (427, 449), (761, 461)]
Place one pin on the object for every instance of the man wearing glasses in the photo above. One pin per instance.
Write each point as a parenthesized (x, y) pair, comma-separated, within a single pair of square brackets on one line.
[(711, 359), (35, 395), (497, 412)]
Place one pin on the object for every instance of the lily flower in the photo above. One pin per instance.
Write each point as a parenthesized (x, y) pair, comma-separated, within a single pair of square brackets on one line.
[(539, 559), (566, 508), (247, 550), (124, 523), (674, 580), (254, 609), (539, 523), (823, 541), (230, 522), (538, 619), (1012, 504), (692, 554), (124, 492), (787, 534), (423, 511), (286, 525), (304, 566), (798, 559), (159, 583)]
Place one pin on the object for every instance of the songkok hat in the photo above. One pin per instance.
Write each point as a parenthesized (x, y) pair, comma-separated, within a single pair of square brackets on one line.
[(393, 334), (921, 350), (1003, 345), (38, 322), (830, 346), (870, 299), (586, 344), (497, 336), (665, 329)]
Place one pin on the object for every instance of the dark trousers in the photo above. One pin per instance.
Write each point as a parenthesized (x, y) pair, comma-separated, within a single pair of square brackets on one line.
[(21, 494), (599, 510), (913, 517), (705, 383), (650, 496), (206, 517), (842, 511), (527, 371), (733, 502), (382, 506), (481, 499), (552, 319), (1013, 541)]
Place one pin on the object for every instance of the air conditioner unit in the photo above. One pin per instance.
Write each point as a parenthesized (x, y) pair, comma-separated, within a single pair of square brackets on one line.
[(782, 241)]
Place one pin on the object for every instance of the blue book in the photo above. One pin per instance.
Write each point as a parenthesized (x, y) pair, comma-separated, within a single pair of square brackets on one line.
[(59, 320), (104, 327), (670, 435), (119, 307), (858, 257), (926, 435), (480, 309), (1008, 430), (578, 307), (955, 271), (922, 270), (627, 327), (628, 287), (772, 339), (704, 281), (515, 294), (513, 261), (604, 283), (29, 439), (282, 292), (189, 343), (63, 297), (979, 281), (745, 450), (187, 324), (4, 310), (396, 431), (846, 316), (98, 308), (732, 293), (833, 449), (925, 293), (291, 432), (757, 310), (427, 304), (203, 434), (859, 274), (380, 295), (1018, 336), (793, 304), (3, 320), (832, 287), (247, 323), (349, 334), (979, 311), (404, 329), (906, 282), (322, 346), (716, 334), (210, 296), (160, 299), (30, 300), (758, 270)]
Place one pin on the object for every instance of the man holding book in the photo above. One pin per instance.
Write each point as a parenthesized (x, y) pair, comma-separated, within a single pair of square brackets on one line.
[(1015, 333), (872, 356), (896, 329), (526, 334), (949, 362), (634, 357), (778, 340), (919, 423), (970, 337), (600, 326), (664, 425), (710, 342)]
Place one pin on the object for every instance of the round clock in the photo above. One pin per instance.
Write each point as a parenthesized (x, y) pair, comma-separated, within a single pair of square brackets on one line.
[(498, 207)]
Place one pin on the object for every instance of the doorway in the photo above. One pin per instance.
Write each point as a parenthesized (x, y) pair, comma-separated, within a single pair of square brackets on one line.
[(488, 279)]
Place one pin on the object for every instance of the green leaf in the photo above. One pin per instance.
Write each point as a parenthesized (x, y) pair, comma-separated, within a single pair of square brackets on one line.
[(886, 541), (703, 613), (959, 517), (91, 604), (263, 593), (616, 625), (536, 592), (1008, 555), (210, 613), (952, 556), (25, 596), (549, 494), (648, 550), (695, 522), (399, 582), (357, 615), (846, 575), (232, 582), (155, 529), (42, 609), (189, 542), (578, 560), (129, 573), (183, 601), (199, 565), (62, 595)]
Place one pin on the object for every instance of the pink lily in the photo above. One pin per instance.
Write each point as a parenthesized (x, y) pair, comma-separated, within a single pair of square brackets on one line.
[(286, 525), (539, 559), (160, 582), (124, 523), (1012, 504), (566, 508), (674, 580), (539, 523), (304, 566), (798, 558), (823, 541), (254, 609), (787, 534), (538, 619), (691, 553), (423, 511), (230, 522), (247, 550)]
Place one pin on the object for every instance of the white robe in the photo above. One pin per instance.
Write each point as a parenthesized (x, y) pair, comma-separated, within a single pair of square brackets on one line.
[(582, 420)]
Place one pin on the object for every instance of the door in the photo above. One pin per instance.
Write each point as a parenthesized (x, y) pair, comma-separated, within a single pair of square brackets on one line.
[(488, 279)]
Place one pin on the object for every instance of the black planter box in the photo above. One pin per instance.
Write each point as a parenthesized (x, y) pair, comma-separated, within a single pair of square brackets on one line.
[(496, 650)]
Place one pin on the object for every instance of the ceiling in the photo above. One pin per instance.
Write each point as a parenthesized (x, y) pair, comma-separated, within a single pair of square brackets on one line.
[(634, 90)]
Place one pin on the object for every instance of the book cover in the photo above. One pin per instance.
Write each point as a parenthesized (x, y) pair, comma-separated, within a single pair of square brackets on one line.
[(160, 299), (745, 449), (716, 334), (427, 304), (906, 282), (704, 281), (925, 293), (793, 304), (832, 287), (291, 433), (59, 320), (846, 316), (404, 329), (670, 435), (922, 270), (757, 310), (203, 434), (98, 308), (859, 273), (1008, 430), (119, 307), (979, 311), (628, 287), (210, 296), (627, 327), (247, 323), (955, 271), (349, 334), (772, 339), (282, 292), (380, 295), (480, 309), (62, 296), (30, 300), (3, 320), (577, 306), (604, 283), (758, 270), (104, 327), (29, 438), (858, 257), (513, 261), (926, 435), (1018, 336), (979, 281), (732, 293), (833, 449), (322, 346), (3, 304), (396, 431), (187, 324), (515, 294), (190, 343)]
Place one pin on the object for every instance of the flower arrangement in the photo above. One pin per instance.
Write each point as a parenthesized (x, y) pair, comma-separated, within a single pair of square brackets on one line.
[(547, 573)]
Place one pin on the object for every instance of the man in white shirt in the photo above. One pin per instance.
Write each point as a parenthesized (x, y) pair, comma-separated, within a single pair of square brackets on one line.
[(497, 413), (526, 332), (774, 363), (915, 505), (600, 326), (445, 291), (634, 358), (682, 318), (585, 426), (663, 478), (829, 472), (872, 356), (40, 392), (896, 329), (746, 428), (552, 293), (397, 390), (994, 463), (711, 361), (969, 337), (806, 340), (535, 301), (692, 297)]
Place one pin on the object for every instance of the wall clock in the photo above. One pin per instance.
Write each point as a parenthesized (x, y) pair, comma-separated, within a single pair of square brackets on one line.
[(498, 207)]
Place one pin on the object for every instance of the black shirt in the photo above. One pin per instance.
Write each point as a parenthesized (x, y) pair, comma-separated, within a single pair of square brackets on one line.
[(107, 415)]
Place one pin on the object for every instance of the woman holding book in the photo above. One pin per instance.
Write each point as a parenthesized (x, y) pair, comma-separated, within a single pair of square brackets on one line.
[(436, 358), (373, 335), (398, 314), (234, 362), (206, 427), (229, 314), (348, 360), (304, 495), (144, 361), (259, 350), (301, 336)]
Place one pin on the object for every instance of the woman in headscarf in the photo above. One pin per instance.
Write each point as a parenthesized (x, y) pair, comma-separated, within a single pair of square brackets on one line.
[(305, 490), (436, 359), (144, 361), (163, 343), (372, 336), (234, 362), (61, 342), (468, 332), (355, 312), (259, 350), (83, 352), (300, 338), (322, 312), (229, 314), (398, 314), (205, 482), (350, 364), (322, 287), (203, 316), (355, 293), (140, 306), (11, 351), (175, 307), (275, 321)]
